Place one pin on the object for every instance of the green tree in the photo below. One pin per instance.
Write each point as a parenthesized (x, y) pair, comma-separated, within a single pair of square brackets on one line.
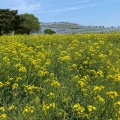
[(27, 23), (49, 31), (7, 20)]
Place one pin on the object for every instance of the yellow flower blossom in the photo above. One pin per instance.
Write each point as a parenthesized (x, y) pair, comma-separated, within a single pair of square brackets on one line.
[(78, 108), (117, 104), (11, 107), (22, 69), (100, 99), (112, 94), (15, 86), (48, 106), (42, 73), (3, 116), (18, 79), (51, 95), (2, 109), (91, 108), (116, 77), (1, 84), (55, 83), (102, 56), (28, 110), (30, 88), (37, 99), (98, 88)]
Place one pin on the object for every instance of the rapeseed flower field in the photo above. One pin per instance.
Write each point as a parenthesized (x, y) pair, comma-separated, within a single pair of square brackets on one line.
[(60, 77)]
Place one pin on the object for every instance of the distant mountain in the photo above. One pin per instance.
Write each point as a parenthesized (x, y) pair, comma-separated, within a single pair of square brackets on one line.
[(66, 27)]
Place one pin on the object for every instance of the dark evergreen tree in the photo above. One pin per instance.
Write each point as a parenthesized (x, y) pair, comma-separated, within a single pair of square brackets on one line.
[(7, 20)]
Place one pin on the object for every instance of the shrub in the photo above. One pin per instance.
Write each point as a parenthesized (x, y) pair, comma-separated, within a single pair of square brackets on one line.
[(49, 31)]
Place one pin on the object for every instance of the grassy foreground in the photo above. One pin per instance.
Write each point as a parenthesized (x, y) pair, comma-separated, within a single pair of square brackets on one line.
[(60, 77)]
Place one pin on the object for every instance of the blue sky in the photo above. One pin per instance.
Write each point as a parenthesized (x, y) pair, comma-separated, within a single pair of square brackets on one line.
[(83, 12)]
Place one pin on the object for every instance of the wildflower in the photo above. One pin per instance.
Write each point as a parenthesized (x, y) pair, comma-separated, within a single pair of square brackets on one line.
[(112, 94), (1, 84), (59, 46), (91, 108), (42, 73), (77, 55), (61, 113), (48, 106), (15, 94), (6, 59), (78, 108), (74, 65), (52, 74), (65, 58), (30, 88), (18, 79), (28, 109), (37, 99), (15, 86), (48, 61), (100, 73), (55, 83), (102, 56), (47, 80), (82, 84), (51, 95), (19, 65), (22, 69), (116, 77), (7, 83), (100, 99), (98, 88), (110, 52), (3, 116), (2, 109), (117, 104), (101, 42), (85, 62), (11, 79), (92, 49), (11, 107), (52, 105)]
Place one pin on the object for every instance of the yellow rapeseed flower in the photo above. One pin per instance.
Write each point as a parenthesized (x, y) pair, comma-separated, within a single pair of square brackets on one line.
[(99, 99), (116, 77), (1, 84), (22, 69), (11, 107), (91, 108), (98, 88), (78, 108), (51, 95), (2, 109), (65, 58), (28, 110), (48, 106), (14, 86), (3, 116), (55, 83), (112, 94), (117, 104)]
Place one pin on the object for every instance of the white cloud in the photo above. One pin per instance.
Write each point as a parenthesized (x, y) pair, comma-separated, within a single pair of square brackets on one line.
[(84, 1), (22, 5), (68, 9)]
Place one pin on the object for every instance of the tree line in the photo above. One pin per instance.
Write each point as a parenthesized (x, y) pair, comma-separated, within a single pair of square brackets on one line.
[(20, 24)]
